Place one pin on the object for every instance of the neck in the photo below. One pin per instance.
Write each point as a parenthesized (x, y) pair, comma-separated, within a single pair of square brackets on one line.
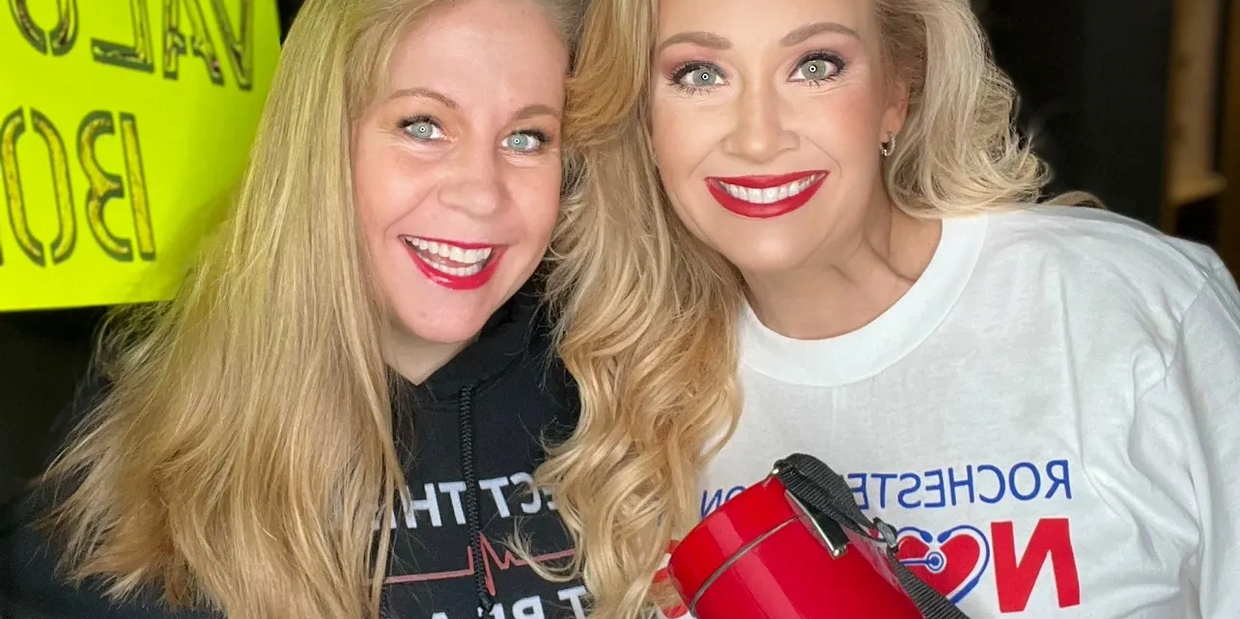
[(851, 280), (415, 358)]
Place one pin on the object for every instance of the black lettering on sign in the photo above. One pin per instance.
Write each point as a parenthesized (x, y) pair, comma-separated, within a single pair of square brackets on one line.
[(200, 43), (62, 246), (138, 56), (139, 201), (62, 37), (239, 44), (196, 39), (103, 187)]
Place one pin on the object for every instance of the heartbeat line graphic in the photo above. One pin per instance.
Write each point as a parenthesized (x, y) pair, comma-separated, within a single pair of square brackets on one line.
[(491, 560)]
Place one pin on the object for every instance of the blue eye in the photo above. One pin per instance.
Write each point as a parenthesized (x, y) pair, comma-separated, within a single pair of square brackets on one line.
[(525, 142), (423, 129)]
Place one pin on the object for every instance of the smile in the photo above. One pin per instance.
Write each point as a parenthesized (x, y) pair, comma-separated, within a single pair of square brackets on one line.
[(762, 197), (453, 265)]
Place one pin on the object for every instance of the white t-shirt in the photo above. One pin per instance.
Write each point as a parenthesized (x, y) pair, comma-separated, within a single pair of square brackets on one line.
[(1050, 415)]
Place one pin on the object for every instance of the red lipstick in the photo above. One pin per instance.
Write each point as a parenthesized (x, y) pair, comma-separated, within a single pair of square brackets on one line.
[(432, 264), (766, 196)]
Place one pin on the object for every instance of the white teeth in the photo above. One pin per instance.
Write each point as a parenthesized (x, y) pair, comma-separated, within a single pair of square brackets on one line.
[(473, 259), (457, 271), (770, 194)]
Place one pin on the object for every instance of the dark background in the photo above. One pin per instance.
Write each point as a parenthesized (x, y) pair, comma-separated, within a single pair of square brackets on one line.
[(1093, 77)]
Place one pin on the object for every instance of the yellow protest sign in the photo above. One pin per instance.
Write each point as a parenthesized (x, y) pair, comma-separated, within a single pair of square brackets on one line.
[(124, 125)]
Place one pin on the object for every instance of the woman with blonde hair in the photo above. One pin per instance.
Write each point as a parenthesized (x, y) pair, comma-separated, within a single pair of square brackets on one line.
[(808, 226), (338, 415)]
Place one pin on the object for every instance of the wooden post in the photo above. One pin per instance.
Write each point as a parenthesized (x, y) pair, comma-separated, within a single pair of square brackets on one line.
[(1229, 204), (1193, 115)]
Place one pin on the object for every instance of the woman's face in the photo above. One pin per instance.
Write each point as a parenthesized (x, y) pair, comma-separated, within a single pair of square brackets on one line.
[(456, 167), (767, 121)]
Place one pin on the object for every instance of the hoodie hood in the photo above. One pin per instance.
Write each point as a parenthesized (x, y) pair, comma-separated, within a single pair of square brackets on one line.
[(506, 337)]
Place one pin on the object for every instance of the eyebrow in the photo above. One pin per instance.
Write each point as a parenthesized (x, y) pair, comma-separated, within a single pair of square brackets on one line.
[(524, 113), (424, 92), (704, 39), (536, 109), (804, 32)]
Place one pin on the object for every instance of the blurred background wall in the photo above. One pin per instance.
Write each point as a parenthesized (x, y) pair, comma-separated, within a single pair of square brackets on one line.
[(1137, 101)]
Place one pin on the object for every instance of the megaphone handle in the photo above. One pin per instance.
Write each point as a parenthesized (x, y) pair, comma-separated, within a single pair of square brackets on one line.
[(823, 490)]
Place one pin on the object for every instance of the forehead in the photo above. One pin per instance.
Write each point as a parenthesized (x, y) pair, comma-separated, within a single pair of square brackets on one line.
[(741, 20), (493, 42)]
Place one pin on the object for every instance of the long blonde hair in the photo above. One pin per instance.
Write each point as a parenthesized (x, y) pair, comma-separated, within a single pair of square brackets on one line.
[(648, 312), (243, 450)]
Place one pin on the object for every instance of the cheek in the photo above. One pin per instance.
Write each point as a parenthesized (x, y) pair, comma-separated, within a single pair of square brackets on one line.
[(369, 181), (366, 202), (537, 195), (386, 184), (858, 113), (678, 138)]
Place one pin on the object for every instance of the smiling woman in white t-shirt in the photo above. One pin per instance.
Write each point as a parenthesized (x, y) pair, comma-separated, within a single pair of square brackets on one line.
[(845, 260)]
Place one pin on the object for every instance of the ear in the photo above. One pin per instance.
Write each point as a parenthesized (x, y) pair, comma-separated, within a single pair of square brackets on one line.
[(896, 111)]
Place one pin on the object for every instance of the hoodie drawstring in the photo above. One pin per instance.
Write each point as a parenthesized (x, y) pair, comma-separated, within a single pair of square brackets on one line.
[(472, 501)]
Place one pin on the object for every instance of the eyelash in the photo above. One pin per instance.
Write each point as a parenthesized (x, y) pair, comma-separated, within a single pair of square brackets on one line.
[(543, 138), (409, 122), (679, 73), (824, 56)]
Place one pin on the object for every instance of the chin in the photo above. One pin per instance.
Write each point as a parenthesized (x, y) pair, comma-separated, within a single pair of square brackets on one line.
[(437, 314), (445, 329), (766, 265), (758, 255)]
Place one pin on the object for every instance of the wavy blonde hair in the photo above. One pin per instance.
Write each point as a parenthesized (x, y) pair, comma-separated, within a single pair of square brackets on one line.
[(648, 312), (243, 450)]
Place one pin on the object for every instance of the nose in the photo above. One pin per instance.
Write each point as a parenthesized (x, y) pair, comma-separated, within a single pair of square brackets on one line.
[(758, 134), (475, 184)]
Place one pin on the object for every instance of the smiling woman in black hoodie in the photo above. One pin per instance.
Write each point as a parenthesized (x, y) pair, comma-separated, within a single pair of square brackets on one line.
[(339, 415)]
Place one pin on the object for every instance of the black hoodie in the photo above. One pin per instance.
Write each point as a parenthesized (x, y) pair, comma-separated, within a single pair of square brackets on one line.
[(470, 437)]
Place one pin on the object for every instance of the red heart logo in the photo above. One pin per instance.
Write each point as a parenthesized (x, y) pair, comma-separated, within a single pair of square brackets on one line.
[(951, 563)]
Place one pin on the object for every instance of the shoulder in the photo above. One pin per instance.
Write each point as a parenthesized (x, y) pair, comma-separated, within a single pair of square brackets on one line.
[(1099, 254), (556, 383), (90, 393), (33, 582), (1118, 289), (554, 403)]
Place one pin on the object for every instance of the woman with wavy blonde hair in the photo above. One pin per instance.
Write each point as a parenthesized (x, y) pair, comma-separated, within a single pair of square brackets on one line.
[(338, 415), (808, 226)]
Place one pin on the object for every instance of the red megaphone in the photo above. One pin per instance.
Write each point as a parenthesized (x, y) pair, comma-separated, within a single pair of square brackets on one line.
[(763, 556)]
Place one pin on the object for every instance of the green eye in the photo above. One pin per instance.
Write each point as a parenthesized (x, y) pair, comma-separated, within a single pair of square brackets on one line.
[(815, 68)]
